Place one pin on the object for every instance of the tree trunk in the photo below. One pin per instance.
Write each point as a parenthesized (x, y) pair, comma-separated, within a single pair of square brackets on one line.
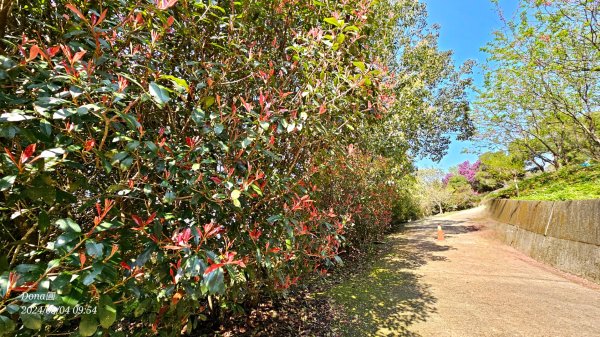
[(441, 209)]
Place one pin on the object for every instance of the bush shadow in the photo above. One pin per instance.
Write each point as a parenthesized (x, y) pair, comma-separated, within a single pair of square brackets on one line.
[(388, 296)]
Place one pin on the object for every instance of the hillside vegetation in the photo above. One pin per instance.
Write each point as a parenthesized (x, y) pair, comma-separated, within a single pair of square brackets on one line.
[(568, 183)]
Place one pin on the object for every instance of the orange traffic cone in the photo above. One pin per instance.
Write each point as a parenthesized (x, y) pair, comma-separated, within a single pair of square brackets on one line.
[(440, 233)]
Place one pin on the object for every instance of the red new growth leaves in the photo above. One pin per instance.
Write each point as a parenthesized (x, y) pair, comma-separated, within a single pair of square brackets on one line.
[(211, 229), (142, 223), (170, 21), (78, 55), (255, 234), (27, 153), (228, 258), (82, 258), (108, 204), (164, 4), (89, 144), (33, 52), (76, 11), (182, 238), (125, 265)]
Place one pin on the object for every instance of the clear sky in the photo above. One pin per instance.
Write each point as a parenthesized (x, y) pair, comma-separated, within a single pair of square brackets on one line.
[(466, 26)]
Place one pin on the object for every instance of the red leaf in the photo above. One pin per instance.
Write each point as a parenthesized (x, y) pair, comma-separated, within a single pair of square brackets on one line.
[(82, 258), (176, 297), (78, 56), (246, 105), (138, 18), (125, 265), (27, 153), (138, 221), (76, 11), (113, 250), (164, 4), (322, 109), (151, 218), (211, 229), (170, 21), (33, 52), (213, 268), (102, 17), (52, 50), (89, 144), (11, 156), (67, 51), (255, 234)]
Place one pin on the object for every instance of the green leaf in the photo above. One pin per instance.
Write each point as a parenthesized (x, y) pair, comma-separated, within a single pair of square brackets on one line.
[(3, 263), (198, 116), (208, 101), (256, 189), (88, 325), (64, 240), (178, 82), (32, 321), (63, 113), (351, 29), (96, 270), (107, 311), (51, 153), (68, 225), (274, 218), (6, 325), (334, 21), (246, 142), (43, 221), (235, 194), (141, 308), (159, 93), (6, 182), (14, 116), (219, 128), (94, 249), (215, 281), (360, 65), (105, 226), (169, 197)]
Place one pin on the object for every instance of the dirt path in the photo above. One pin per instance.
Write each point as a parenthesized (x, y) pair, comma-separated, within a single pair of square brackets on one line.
[(468, 285)]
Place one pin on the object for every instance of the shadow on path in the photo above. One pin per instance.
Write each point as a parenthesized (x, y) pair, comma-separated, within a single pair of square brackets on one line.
[(388, 297)]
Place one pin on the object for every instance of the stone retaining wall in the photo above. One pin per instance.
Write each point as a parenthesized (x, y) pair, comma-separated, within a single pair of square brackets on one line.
[(564, 234)]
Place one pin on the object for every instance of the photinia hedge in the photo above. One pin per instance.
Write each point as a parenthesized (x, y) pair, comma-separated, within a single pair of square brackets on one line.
[(167, 162)]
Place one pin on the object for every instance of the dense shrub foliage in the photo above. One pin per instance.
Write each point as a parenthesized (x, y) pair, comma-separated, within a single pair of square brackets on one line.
[(167, 162)]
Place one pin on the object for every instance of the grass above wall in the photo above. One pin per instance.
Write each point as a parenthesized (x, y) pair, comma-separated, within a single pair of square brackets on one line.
[(568, 183)]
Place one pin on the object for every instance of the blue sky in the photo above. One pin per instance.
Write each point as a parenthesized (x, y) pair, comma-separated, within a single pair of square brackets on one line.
[(466, 26)]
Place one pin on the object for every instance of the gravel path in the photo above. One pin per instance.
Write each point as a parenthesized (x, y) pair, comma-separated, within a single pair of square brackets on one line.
[(470, 284), (476, 286)]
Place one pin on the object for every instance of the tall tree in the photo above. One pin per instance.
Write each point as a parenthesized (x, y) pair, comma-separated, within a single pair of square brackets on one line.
[(542, 79), (431, 190), (501, 166)]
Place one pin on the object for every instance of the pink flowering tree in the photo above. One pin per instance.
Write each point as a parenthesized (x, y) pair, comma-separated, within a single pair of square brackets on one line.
[(469, 170)]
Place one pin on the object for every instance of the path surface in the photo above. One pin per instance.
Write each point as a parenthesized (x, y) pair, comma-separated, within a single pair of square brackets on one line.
[(468, 285)]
